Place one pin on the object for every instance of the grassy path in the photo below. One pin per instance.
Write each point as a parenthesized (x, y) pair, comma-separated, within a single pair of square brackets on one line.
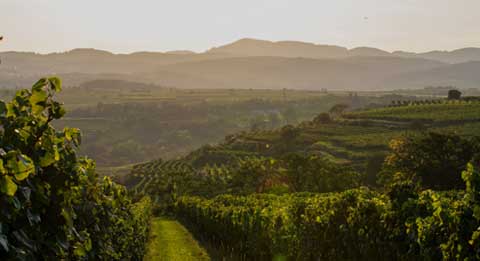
[(169, 240)]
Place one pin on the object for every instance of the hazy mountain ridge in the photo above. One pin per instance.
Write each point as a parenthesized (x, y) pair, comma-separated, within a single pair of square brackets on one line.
[(250, 63), (253, 47), (300, 73), (464, 75)]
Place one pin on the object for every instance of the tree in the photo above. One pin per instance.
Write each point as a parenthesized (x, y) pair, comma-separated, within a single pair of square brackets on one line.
[(322, 118), (254, 175), (317, 174), (289, 134), (338, 109), (454, 95), (435, 159)]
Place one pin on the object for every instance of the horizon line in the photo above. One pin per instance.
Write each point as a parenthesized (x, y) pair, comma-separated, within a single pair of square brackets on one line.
[(229, 43)]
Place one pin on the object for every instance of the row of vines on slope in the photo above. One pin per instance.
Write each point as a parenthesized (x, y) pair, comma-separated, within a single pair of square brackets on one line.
[(405, 223), (52, 204), (164, 181)]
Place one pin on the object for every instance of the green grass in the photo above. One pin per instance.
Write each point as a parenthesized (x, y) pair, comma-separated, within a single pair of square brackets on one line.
[(169, 240)]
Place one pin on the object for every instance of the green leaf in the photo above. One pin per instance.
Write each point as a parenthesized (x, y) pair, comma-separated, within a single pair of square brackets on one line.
[(55, 83), (20, 165), (88, 244), (79, 251), (57, 110), (2, 169), (37, 100), (68, 218), (476, 212), (7, 186), (21, 176), (73, 134), (50, 157), (11, 110), (40, 84)]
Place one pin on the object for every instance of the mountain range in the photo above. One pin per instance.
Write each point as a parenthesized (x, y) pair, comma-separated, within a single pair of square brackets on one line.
[(250, 63), (253, 47)]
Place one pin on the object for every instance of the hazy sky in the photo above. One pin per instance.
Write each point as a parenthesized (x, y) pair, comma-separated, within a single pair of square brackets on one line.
[(160, 25)]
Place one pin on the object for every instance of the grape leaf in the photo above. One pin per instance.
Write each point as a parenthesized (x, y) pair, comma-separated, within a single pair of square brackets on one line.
[(7, 186)]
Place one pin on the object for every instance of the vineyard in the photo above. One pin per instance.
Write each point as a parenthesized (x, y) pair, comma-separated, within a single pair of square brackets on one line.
[(437, 112), (397, 183), (342, 189), (149, 138), (359, 134), (158, 178), (356, 139), (359, 224)]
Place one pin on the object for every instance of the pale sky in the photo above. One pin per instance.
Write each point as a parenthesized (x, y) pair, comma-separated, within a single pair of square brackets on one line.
[(125, 26)]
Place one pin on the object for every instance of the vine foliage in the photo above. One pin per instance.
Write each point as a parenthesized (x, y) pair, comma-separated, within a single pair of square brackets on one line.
[(52, 203)]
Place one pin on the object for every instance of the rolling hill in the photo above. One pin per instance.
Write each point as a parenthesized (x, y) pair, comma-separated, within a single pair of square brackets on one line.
[(253, 47), (298, 73), (250, 63)]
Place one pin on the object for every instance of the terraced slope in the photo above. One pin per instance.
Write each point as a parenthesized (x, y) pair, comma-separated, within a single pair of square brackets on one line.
[(355, 139)]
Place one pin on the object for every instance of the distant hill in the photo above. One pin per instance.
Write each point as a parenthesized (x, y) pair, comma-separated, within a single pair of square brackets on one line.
[(368, 51), (185, 52), (250, 63), (456, 56), (466, 75), (253, 47), (298, 73)]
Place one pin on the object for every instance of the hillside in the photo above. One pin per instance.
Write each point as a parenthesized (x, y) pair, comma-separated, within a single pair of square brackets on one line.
[(299, 73), (357, 138), (359, 135), (362, 185), (462, 74)]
